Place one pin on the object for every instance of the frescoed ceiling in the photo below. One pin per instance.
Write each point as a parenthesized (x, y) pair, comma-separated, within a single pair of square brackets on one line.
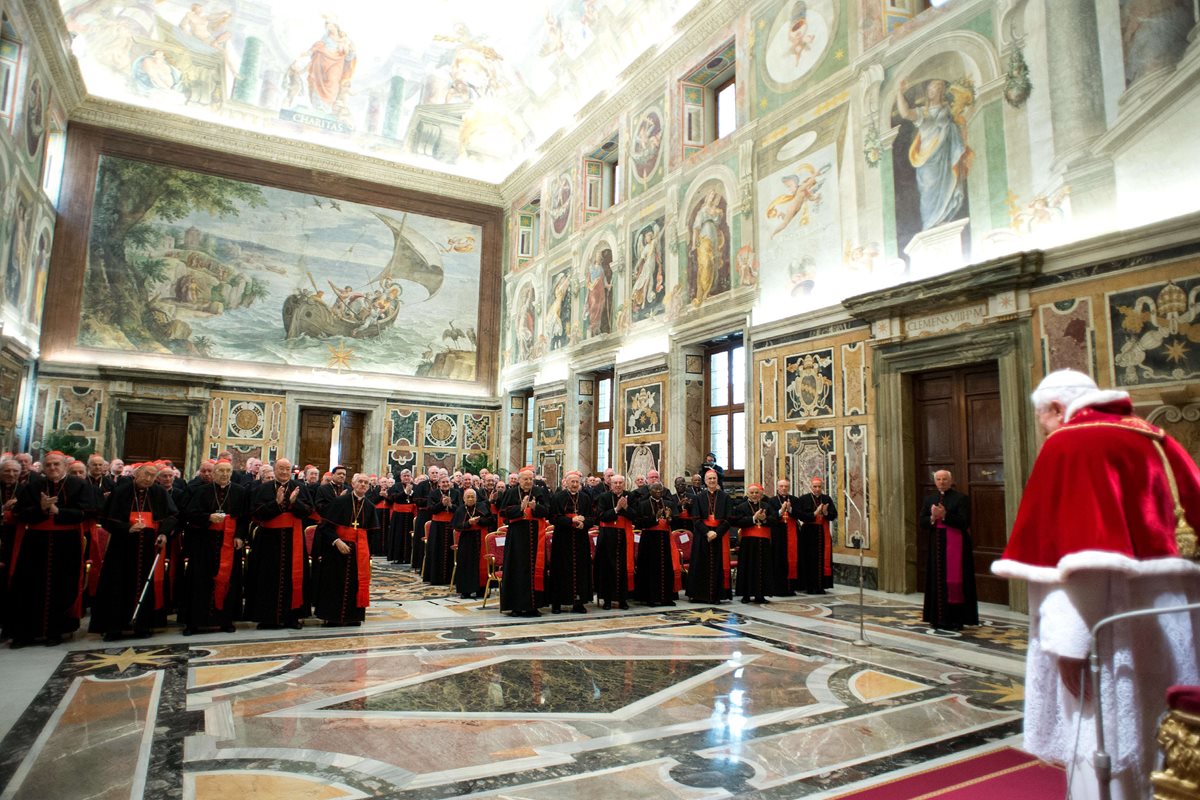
[(466, 87)]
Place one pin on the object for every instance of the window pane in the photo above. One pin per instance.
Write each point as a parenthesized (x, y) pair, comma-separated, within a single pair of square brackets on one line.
[(616, 186), (739, 374), (602, 449), (727, 110), (529, 415), (739, 440), (718, 377), (604, 401), (528, 452), (718, 437)]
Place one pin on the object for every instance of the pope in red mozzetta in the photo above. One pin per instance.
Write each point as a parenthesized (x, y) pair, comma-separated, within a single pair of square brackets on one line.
[(1103, 529)]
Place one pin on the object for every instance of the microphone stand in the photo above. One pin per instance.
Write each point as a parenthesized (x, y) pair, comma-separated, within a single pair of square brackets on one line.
[(857, 541)]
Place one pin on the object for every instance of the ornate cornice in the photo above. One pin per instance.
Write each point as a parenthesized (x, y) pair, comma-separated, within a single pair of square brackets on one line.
[(49, 31), (698, 26), (174, 128)]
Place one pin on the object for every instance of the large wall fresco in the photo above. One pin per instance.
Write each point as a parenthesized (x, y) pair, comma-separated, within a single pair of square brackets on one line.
[(465, 89), (192, 265)]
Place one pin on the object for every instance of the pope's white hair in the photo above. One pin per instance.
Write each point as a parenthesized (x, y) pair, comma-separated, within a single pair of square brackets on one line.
[(1063, 387)]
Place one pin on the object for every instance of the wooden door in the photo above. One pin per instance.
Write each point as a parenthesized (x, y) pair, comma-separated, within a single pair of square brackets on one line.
[(316, 437), (149, 437), (351, 443), (958, 426)]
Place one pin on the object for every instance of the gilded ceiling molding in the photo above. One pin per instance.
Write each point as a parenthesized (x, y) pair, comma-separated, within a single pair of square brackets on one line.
[(174, 128), (48, 30), (699, 26)]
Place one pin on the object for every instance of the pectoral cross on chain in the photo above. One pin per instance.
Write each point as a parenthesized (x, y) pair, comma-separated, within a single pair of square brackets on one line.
[(354, 524)]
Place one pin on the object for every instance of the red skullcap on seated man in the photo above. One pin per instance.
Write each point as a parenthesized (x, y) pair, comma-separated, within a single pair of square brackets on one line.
[(1096, 535)]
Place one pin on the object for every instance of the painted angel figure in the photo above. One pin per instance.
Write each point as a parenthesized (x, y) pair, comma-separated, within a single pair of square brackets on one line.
[(802, 197)]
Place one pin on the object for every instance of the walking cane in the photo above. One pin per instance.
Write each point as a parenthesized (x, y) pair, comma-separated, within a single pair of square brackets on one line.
[(145, 588)]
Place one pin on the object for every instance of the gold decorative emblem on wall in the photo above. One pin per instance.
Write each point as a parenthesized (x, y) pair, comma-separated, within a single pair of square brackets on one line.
[(246, 420), (441, 430)]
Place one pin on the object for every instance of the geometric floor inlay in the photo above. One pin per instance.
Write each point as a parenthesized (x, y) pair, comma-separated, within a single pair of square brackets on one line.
[(532, 686), (686, 703)]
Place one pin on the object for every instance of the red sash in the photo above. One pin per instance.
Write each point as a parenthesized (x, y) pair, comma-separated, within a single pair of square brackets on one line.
[(50, 525), (443, 516), (626, 526), (676, 567), (98, 544), (827, 545), (358, 537), (160, 570), (539, 551), (712, 524), (756, 532), (225, 565), (792, 535), (286, 520), (483, 563), (404, 508)]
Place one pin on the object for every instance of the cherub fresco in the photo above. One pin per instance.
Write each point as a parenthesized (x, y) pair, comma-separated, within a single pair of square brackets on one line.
[(801, 197)]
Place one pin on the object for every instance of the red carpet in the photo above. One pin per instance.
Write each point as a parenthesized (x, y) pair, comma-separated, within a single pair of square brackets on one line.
[(999, 774)]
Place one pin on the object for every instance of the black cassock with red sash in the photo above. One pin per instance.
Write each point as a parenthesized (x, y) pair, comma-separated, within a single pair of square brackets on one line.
[(404, 511), (45, 567), (816, 542), (614, 567), (470, 572), (523, 586), (708, 570), (785, 543), (275, 574), (129, 558), (659, 577), (755, 577), (344, 582), (571, 550), (212, 578)]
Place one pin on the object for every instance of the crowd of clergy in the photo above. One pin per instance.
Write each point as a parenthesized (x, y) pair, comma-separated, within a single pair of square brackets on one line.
[(125, 546)]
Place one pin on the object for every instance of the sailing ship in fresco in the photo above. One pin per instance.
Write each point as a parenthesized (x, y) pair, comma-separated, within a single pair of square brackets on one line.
[(368, 312)]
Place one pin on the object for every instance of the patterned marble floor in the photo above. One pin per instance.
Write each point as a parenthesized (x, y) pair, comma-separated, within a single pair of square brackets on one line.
[(440, 698)]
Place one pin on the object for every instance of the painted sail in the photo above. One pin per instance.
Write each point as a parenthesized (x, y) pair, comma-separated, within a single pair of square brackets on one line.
[(415, 258)]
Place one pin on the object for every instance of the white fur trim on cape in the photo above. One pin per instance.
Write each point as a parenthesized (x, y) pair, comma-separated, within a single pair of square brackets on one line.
[(1095, 560), (1100, 397)]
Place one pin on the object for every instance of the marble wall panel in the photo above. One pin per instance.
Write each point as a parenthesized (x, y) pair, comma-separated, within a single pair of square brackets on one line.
[(477, 431), (441, 431), (768, 455), (551, 417), (1068, 337), (768, 390), (854, 378), (810, 452), (854, 501)]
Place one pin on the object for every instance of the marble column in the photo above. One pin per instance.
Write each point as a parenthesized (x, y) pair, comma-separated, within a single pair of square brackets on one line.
[(1076, 93), (1077, 110), (585, 432), (685, 437)]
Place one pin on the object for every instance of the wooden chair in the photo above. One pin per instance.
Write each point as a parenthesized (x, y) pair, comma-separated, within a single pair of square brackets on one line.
[(682, 539), (493, 545), (420, 569)]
